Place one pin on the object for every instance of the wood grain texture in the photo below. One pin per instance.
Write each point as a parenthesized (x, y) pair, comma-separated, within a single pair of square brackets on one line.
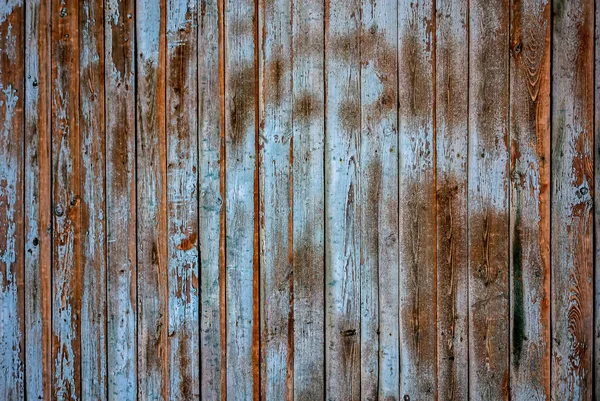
[(596, 373), (416, 95), (37, 200), (182, 198), (530, 200), (308, 199), (275, 200), (342, 202), (152, 235), (67, 274), (488, 200), (93, 210), (119, 84), (212, 198), (572, 202), (452, 103), (241, 183), (380, 360), (12, 150)]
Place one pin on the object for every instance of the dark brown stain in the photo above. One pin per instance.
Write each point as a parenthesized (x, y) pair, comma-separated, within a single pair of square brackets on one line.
[(242, 104), (349, 115), (305, 106), (188, 243), (274, 74)]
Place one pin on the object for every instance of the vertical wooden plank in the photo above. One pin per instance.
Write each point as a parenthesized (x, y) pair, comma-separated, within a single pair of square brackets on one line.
[(596, 373), (488, 200), (380, 363), (212, 210), (12, 139), (67, 278), (416, 50), (152, 241), (93, 223), (530, 199), (38, 204), (308, 195), (241, 199), (276, 202), (182, 198), (342, 191), (119, 24), (572, 203), (452, 100)]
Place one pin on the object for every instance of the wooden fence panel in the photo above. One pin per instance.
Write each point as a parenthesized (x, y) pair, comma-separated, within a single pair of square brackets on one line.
[(299, 200)]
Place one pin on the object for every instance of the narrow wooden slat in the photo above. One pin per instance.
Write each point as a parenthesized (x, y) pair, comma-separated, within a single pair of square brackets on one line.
[(379, 334), (38, 204), (488, 200), (276, 202), (119, 33), (571, 197), (241, 218), (308, 195), (152, 241), (93, 222), (530, 200), (12, 144), (67, 278), (452, 88), (416, 200), (182, 198), (342, 208), (211, 178), (596, 373)]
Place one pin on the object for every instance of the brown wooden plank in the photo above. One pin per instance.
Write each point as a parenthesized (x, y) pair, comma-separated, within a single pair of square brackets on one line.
[(12, 145), (530, 200), (212, 208), (452, 102), (308, 196), (571, 197), (152, 241), (120, 198), (488, 200), (182, 198), (67, 278), (241, 188), (596, 373), (38, 203), (275, 199), (93, 222), (416, 79), (342, 202), (379, 274)]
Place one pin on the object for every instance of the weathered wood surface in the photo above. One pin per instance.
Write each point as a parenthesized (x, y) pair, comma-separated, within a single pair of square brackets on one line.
[(452, 102), (299, 200), (572, 183), (529, 235)]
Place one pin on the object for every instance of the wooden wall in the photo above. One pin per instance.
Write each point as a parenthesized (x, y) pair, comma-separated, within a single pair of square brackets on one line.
[(299, 200)]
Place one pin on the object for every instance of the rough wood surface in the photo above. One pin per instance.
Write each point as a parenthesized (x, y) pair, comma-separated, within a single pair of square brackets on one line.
[(67, 276), (152, 235), (452, 102), (37, 200), (299, 200), (572, 201), (92, 178), (488, 201), (276, 201), (12, 150), (416, 80), (241, 191), (308, 196), (530, 200), (119, 81), (212, 199), (342, 202)]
